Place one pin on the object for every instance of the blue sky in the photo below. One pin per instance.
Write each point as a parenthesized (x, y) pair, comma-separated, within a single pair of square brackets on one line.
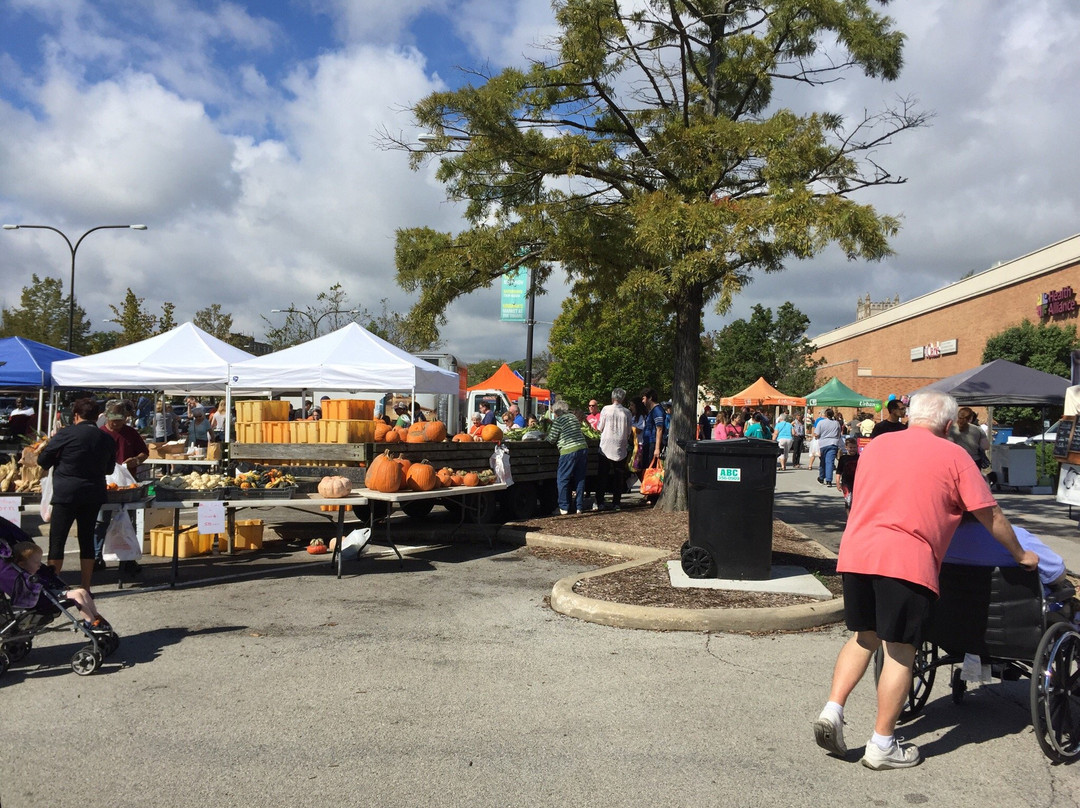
[(244, 135)]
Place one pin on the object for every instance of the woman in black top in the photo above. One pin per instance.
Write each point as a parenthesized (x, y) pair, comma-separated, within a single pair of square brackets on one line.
[(80, 456)]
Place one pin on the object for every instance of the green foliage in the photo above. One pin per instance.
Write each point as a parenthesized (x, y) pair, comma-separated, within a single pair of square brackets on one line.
[(483, 369), (135, 324), (1046, 347), (597, 345), (42, 315), (646, 159), (167, 322), (214, 322), (738, 354)]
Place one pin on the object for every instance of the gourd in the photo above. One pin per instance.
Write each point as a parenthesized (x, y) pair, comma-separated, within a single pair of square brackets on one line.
[(384, 474), (434, 431), (472, 478), (491, 433), (422, 477), (445, 476), (457, 479), (333, 487)]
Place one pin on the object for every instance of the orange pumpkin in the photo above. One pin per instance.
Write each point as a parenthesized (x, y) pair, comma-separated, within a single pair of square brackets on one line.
[(491, 433), (457, 479), (402, 433), (445, 476), (391, 436), (434, 431), (383, 474), (381, 428), (462, 437), (422, 477), (415, 433), (404, 463), (472, 478)]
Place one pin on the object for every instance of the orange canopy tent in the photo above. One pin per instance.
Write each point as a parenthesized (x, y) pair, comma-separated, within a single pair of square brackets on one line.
[(510, 383), (761, 394)]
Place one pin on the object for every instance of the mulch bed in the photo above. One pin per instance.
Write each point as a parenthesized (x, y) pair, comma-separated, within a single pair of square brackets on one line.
[(649, 584)]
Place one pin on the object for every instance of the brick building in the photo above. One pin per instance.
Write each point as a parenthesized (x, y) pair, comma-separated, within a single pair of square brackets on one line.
[(899, 347)]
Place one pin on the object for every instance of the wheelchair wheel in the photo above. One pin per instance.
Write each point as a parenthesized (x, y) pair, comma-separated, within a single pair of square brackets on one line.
[(697, 562), (17, 649), (1055, 693), (959, 687), (84, 662), (923, 672)]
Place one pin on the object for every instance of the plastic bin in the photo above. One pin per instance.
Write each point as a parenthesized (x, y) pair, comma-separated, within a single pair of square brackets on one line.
[(1002, 435), (731, 487)]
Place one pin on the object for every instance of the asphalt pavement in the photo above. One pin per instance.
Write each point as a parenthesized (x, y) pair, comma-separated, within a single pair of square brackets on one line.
[(448, 681)]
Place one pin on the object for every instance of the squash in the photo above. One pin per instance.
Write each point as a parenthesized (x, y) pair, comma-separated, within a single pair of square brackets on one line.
[(457, 479), (415, 433), (402, 433), (445, 476), (381, 428), (434, 431), (391, 436), (422, 477), (333, 487), (472, 478), (405, 465), (491, 433), (462, 437), (384, 474)]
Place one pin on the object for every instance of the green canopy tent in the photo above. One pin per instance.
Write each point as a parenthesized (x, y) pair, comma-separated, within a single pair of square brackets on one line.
[(834, 393)]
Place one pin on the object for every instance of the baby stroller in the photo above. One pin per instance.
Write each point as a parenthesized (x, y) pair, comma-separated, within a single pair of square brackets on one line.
[(19, 626)]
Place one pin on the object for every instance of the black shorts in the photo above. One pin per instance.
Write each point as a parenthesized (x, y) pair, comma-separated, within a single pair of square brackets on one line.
[(894, 609)]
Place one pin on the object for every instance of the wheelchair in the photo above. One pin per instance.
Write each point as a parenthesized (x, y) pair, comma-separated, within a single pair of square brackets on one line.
[(1002, 615)]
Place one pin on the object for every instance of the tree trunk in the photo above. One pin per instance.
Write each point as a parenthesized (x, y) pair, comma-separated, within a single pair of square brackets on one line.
[(683, 396)]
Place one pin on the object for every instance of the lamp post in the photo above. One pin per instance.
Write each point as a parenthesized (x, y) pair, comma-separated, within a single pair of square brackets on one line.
[(315, 320), (74, 249)]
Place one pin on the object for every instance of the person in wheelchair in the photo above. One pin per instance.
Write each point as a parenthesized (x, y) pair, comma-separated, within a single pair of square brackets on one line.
[(973, 544)]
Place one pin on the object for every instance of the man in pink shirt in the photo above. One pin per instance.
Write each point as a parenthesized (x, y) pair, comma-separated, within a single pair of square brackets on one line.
[(914, 486)]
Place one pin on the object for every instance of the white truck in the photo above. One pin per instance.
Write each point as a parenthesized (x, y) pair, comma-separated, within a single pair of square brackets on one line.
[(456, 411)]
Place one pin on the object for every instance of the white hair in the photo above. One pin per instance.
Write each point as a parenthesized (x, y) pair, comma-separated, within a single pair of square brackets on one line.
[(932, 410)]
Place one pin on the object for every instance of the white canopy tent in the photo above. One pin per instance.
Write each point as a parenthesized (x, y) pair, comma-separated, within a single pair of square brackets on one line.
[(349, 359), (184, 360)]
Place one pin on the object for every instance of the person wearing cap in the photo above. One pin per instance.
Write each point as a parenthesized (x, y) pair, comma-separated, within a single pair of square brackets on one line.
[(80, 456), (403, 418), (130, 451)]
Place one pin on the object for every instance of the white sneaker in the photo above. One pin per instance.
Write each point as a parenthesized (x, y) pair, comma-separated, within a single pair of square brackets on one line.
[(562, 512), (829, 733), (899, 757)]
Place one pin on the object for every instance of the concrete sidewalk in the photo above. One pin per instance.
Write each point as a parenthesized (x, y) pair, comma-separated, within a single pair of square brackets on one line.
[(819, 513)]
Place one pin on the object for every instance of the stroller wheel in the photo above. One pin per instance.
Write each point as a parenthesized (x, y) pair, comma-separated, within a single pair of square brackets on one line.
[(85, 662), (17, 649)]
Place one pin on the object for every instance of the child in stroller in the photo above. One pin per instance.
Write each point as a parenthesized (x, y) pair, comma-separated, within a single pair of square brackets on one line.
[(34, 596)]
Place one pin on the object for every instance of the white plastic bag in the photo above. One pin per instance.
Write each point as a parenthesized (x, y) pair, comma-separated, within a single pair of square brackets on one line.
[(354, 544), (500, 463), (46, 497), (121, 543), (120, 476)]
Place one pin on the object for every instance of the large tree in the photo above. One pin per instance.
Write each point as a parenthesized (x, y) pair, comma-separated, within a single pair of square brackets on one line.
[(42, 316), (598, 345), (214, 321), (136, 324), (777, 348), (649, 156)]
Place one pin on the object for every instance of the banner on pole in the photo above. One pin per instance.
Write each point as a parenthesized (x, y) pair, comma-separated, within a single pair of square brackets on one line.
[(515, 289)]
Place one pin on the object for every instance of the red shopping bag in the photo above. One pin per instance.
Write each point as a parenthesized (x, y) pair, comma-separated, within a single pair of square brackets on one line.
[(652, 482)]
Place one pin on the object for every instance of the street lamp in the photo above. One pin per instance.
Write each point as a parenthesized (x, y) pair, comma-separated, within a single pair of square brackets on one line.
[(74, 249), (315, 320)]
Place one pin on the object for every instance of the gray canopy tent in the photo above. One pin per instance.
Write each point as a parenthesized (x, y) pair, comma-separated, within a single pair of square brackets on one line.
[(1002, 384)]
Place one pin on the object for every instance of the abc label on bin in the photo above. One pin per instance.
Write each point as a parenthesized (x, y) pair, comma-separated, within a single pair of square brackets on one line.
[(728, 475)]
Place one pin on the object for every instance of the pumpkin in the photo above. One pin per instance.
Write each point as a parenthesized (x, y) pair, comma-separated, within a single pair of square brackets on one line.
[(316, 547), (402, 433), (434, 431), (333, 487), (391, 436), (472, 478), (381, 428), (457, 479), (462, 437), (383, 474), (491, 433), (405, 464), (422, 477), (415, 433), (445, 476)]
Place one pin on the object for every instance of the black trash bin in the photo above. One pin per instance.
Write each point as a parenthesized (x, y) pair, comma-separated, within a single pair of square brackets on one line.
[(731, 484)]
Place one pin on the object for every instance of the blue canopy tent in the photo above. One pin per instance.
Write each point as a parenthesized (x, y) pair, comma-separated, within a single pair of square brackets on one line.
[(25, 364)]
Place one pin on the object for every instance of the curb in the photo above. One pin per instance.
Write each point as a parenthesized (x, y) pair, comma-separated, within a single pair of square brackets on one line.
[(565, 600)]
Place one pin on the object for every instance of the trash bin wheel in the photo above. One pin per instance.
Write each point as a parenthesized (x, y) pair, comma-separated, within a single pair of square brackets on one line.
[(697, 562)]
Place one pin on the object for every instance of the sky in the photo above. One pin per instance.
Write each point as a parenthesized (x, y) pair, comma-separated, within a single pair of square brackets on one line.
[(245, 135)]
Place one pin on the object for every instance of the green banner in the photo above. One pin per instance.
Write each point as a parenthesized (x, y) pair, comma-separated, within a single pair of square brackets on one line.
[(515, 289)]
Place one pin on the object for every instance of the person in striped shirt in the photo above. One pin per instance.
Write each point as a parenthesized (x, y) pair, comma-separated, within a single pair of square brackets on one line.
[(566, 434)]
